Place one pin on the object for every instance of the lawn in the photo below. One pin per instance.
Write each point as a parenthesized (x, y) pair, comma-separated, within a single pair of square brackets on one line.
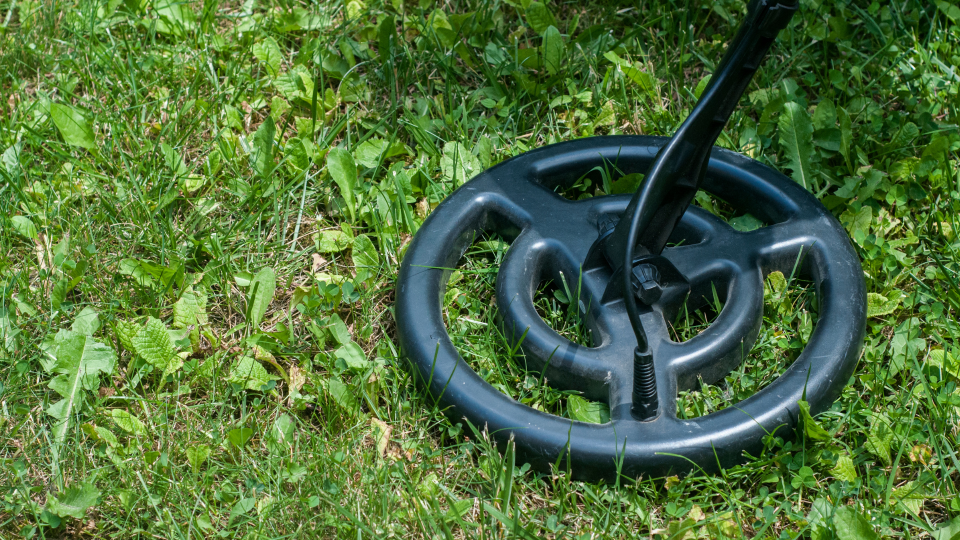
[(203, 207)]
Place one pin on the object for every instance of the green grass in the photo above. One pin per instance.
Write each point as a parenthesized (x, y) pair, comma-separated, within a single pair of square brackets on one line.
[(158, 156)]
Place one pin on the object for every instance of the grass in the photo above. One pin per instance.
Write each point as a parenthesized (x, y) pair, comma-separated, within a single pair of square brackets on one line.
[(207, 203)]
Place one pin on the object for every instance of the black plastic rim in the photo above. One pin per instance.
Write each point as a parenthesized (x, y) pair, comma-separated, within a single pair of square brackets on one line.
[(549, 234)]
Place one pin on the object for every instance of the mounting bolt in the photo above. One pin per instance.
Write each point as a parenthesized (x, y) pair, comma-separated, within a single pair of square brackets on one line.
[(644, 386), (646, 279), (606, 223)]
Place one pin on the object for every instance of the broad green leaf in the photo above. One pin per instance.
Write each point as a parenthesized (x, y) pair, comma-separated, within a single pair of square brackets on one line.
[(442, 28), (74, 502), (626, 184), (638, 76), (100, 434), (339, 330), (948, 531), (296, 84), (850, 525), (904, 137), (607, 116), (261, 158), (197, 455), (75, 128), (701, 86), (944, 362), (553, 50), (372, 151), (262, 288), (950, 9), (458, 163), (128, 422), (87, 322), (844, 470), (342, 395), (746, 223), (11, 159), (249, 374), (587, 411), (139, 271), (796, 138), (365, 254), (79, 362), (352, 355), (280, 436), (173, 160), (190, 312), (332, 241), (879, 439), (539, 17), (296, 154), (343, 170), (860, 221), (126, 331), (910, 495), (59, 293), (774, 285), (878, 305), (268, 53), (825, 115), (191, 309), (239, 436), (8, 332), (175, 17), (387, 33), (154, 345), (25, 227), (810, 426)]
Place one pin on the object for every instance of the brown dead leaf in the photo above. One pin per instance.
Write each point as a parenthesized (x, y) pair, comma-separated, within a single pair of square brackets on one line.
[(381, 434), (297, 379), (318, 263)]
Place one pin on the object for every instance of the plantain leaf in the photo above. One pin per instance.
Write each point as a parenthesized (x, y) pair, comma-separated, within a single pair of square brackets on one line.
[(249, 374), (197, 455), (539, 17), (262, 288), (261, 159), (74, 502), (25, 226), (343, 170), (949, 9), (458, 163), (810, 426), (128, 422), (553, 50), (796, 138), (332, 241), (73, 126), (268, 53), (851, 525), (365, 254)]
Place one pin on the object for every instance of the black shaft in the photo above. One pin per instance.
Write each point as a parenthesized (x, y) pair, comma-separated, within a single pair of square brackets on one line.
[(679, 168)]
